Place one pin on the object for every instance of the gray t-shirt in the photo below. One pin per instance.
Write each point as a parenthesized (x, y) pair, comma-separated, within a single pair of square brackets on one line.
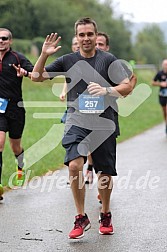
[(79, 71)]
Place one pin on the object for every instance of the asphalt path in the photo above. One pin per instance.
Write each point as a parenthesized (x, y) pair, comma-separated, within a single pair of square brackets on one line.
[(39, 216)]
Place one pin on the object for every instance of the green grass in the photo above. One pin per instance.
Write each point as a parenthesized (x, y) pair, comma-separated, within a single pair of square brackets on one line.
[(35, 129), (147, 115), (144, 117)]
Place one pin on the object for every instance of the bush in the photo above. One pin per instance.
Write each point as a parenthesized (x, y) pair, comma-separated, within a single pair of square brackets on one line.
[(38, 42), (22, 45)]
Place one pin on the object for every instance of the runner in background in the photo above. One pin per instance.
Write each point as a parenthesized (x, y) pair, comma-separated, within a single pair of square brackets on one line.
[(102, 43), (160, 80), (12, 117)]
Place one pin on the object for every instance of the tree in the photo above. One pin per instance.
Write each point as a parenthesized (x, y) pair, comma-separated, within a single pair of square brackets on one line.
[(18, 16), (120, 39), (150, 46), (36, 18)]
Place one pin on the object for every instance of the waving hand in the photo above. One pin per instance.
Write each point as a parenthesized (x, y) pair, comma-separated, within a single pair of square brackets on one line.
[(50, 45)]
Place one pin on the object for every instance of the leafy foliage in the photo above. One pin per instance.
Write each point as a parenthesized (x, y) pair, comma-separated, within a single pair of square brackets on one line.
[(150, 45), (19, 17), (35, 19)]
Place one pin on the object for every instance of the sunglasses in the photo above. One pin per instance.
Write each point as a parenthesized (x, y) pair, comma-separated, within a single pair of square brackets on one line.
[(4, 38)]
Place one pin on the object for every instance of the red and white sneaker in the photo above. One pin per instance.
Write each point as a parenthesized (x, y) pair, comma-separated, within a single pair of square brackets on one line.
[(81, 224), (89, 177), (106, 227)]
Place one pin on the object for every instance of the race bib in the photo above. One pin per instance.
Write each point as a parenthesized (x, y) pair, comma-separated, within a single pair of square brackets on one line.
[(91, 104), (3, 105)]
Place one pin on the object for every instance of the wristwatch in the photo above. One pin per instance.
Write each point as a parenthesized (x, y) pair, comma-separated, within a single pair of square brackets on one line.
[(108, 90)]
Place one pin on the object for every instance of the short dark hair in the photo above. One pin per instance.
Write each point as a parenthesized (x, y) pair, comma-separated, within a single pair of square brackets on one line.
[(84, 21), (106, 37), (9, 32)]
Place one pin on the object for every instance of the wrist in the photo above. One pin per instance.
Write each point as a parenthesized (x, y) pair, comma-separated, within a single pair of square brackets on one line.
[(44, 55), (108, 90), (26, 73)]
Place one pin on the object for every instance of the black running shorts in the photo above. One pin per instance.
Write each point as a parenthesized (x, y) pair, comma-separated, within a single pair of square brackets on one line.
[(79, 141), (13, 120), (163, 101)]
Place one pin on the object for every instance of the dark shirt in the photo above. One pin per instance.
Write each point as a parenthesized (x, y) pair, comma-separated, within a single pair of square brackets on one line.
[(161, 76), (79, 71), (10, 84)]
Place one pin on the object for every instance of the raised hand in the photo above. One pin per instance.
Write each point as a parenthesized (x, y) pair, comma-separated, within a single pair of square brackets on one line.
[(50, 45)]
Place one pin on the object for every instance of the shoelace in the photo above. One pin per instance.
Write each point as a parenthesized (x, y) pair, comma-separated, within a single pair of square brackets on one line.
[(105, 220), (78, 223)]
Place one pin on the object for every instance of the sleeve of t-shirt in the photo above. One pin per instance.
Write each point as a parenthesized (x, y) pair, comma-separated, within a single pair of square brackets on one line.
[(157, 77), (118, 71), (25, 63), (55, 68)]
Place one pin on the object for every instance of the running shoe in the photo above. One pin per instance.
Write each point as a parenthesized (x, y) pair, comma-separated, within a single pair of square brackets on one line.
[(89, 177), (20, 177), (81, 224), (1, 192), (106, 227), (20, 174), (99, 198)]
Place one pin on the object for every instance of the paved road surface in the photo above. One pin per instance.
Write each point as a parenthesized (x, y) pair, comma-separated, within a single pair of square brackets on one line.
[(39, 217)]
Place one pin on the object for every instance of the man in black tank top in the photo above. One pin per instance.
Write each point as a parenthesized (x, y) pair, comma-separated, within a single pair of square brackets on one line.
[(90, 126), (160, 80)]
